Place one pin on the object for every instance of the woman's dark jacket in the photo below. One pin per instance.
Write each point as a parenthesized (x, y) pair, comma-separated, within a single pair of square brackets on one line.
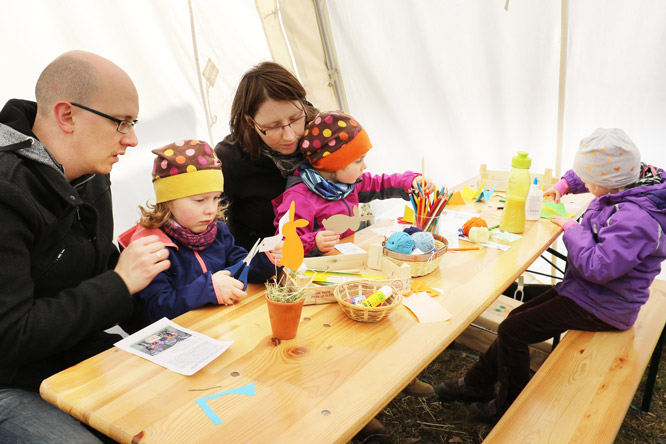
[(249, 186)]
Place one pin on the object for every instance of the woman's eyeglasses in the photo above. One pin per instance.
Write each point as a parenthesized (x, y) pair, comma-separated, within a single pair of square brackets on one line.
[(274, 131)]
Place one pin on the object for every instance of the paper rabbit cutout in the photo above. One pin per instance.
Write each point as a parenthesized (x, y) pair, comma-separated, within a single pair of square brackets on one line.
[(341, 222), (292, 249)]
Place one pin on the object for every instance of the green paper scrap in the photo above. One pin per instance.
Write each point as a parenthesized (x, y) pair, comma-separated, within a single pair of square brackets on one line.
[(551, 209), (504, 236)]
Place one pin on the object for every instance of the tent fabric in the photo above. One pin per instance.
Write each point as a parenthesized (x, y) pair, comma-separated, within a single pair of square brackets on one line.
[(298, 45), (456, 83)]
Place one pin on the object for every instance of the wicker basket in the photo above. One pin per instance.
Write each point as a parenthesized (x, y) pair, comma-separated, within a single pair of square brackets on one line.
[(360, 313), (421, 264)]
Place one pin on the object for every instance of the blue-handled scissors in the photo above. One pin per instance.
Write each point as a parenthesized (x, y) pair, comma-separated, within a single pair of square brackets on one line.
[(240, 269)]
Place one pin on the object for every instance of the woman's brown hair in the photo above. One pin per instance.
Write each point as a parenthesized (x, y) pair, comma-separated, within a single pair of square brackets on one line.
[(267, 80)]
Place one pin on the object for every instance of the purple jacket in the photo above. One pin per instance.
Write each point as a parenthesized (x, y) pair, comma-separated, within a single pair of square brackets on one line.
[(616, 252), (315, 209)]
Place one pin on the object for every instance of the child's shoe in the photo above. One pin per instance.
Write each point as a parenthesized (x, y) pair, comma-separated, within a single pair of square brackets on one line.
[(419, 388), (457, 390), (486, 412)]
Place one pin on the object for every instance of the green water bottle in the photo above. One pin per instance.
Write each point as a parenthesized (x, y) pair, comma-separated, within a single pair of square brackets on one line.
[(513, 217)]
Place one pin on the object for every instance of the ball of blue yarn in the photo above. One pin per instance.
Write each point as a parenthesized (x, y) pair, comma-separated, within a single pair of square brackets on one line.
[(400, 242), (423, 241), (412, 230)]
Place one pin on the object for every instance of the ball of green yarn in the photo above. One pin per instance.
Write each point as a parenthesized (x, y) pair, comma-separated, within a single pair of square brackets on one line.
[(400, 242)]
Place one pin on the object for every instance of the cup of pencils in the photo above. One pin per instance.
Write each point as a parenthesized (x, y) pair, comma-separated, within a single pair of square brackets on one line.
[(428, 208), (428, 223)]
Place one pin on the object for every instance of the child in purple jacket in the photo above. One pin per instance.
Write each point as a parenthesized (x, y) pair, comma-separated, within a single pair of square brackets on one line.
[(614, 255), (333, 182), (188, 219)]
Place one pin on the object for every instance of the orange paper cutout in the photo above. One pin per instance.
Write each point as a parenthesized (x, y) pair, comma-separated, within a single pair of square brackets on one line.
[(418, 286), (457, 199), (292, 249)]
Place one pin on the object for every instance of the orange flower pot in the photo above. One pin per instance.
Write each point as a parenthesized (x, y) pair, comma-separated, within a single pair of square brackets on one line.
[(285, 317)]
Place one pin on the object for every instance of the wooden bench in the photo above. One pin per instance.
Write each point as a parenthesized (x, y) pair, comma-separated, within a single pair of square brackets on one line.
[(582, 392)]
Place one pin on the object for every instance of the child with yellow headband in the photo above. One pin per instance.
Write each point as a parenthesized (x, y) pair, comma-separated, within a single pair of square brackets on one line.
[(188, 218)]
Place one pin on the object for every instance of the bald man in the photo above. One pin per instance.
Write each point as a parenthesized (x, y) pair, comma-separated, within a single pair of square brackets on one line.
[(62, 281)]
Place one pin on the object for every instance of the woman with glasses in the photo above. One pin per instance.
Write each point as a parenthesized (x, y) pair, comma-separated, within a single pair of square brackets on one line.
[(268, 118)]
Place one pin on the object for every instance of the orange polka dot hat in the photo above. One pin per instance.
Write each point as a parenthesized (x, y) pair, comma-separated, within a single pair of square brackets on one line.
[(608, 158), (333, 140), (186, 168)]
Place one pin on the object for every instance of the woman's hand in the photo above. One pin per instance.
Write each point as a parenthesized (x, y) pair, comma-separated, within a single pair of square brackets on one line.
[(427, 185), (326, 240), (551, 194), (229, 289)]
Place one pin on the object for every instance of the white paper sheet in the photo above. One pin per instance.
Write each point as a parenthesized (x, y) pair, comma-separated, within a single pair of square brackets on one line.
[(174, 347), (349, 248)]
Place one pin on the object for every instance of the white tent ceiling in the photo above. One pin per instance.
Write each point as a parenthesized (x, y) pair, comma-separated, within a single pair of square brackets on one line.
[(457, 82)]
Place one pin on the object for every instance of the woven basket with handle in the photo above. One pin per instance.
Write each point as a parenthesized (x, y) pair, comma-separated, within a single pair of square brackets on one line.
[(360, 313)]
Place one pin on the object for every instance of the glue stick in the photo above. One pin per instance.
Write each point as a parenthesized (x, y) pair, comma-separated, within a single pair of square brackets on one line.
[(377, 297), (357, 299)]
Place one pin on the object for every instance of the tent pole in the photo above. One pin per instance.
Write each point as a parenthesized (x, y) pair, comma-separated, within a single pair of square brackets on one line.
[(210, 121), (564, 37), (564, 25), (329, 53)]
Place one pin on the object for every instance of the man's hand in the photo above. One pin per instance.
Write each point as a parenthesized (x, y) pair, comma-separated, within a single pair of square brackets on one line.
[(141, 261)]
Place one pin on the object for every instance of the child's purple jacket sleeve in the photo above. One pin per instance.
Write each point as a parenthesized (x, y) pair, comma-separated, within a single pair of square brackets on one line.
[(616, 249), (576, 185)]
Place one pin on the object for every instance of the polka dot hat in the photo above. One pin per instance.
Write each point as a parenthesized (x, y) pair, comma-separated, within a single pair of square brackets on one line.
[(608, 158), (186, 168), (333, 140)]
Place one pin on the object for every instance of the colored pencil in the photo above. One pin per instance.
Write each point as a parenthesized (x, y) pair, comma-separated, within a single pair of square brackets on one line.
[(464, 248)]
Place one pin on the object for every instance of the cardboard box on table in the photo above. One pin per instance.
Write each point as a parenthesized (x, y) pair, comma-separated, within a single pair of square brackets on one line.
[(374, 263), (483, 331)]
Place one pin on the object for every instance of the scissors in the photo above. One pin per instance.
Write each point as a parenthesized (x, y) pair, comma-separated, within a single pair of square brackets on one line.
[(240, 269)]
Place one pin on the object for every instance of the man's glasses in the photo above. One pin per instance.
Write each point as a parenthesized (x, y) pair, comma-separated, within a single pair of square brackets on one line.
[(123, 125), (274, 131)]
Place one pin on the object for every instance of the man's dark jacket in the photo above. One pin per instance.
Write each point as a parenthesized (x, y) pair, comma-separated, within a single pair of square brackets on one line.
[(57, 290)]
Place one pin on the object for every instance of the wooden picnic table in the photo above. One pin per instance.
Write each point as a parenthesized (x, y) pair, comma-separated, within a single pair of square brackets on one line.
[(321, 387)]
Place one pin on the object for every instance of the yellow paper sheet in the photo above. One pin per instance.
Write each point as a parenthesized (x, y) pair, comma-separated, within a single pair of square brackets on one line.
[(425, 308), (409, 214), (469, 193)]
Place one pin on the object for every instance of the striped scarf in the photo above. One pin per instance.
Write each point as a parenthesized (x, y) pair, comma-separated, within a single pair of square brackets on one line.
[(324, 187), (649, 176)]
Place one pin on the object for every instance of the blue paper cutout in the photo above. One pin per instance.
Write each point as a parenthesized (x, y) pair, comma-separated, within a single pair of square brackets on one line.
[(203, 402), (485, 194)]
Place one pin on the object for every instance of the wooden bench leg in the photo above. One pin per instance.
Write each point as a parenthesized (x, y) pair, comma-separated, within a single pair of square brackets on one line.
[(652, 372)]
